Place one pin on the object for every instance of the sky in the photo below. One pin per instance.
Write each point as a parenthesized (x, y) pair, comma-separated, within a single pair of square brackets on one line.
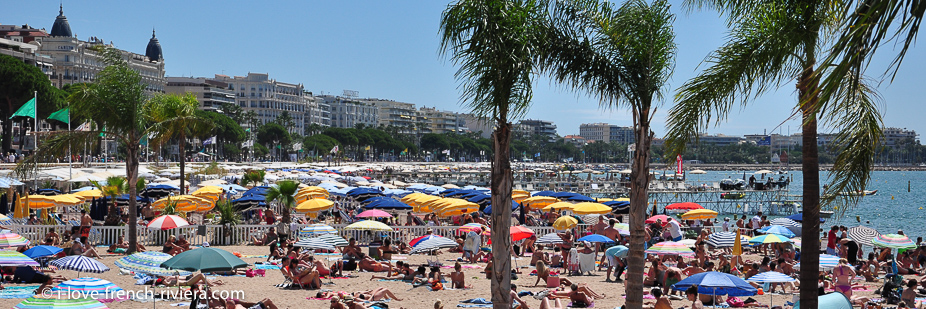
[(390, 50)]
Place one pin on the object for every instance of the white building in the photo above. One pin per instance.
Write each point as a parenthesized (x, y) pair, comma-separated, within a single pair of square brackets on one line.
[(210, 93), (348, 112), (268, 98), (604, 132), (401, 115)]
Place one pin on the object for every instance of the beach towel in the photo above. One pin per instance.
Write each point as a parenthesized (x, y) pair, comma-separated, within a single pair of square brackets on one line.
[(464, 266), (266, 266), (315, 298), (592, 305), (24, 291), (480, 301), (474, 306)]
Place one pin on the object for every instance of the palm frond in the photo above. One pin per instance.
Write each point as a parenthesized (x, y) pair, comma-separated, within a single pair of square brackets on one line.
[(759, 56), (854, 114)]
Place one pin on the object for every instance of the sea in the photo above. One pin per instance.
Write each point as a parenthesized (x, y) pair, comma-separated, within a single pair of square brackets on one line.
[(893, 207)]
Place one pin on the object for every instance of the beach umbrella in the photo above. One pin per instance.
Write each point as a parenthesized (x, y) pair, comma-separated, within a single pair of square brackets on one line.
[(665, 219), (184, 203), (415, 241), (558, 206), (830, 301), (893, 241), (314, 205), (699, 214), (549, 239), (39, 302), (683, 207), (578, 198), (717, 283), (250, 201), (434, 244), (520, 232), (314, 243), (471, 227), (167, 222), (48, 191), (863, 235), (619, 207), (13, 258), (799, 217), (369, 225), (724, 239), (374, 213), (670, 248), (38, 201), (538, 202), (4, 220), (80, 264), (543, 193), (232, 187), (777, 229), (565, 223), (90, 194), (794, 226), (333, 239), (770, 276), (10, 239), (89, 287), (148, 262), (388, 203), (206, 259), (827, 261), (42, 251), (769, 239), (488, 209), (587, 208), (596, 238), (317, 229)]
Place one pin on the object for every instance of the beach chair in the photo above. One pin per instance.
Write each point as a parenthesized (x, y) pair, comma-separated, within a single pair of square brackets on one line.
[(586, 262), (572, 265), (530, 187), (345, 219)]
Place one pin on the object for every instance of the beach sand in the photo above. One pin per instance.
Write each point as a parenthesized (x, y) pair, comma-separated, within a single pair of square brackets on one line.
[(257, 288)]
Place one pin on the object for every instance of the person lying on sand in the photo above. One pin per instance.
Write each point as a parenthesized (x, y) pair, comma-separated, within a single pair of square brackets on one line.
[(403, 273), (230, 303), (374, 295), (189, 281), (367, 263)]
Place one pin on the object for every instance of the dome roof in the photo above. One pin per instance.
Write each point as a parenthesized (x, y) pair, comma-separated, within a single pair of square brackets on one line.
[(153, 52), (61, 26)]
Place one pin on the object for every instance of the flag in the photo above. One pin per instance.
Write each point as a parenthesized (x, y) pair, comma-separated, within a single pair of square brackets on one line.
[(404, 152), (765, 141), (446, 151), (678, 164), (27, 110), (536, 155), (62, 115), (335, 149), (367, 149), (83, 127), (209, 141)]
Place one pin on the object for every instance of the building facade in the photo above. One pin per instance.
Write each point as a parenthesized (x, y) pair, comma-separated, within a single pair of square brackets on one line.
[(317, 113), (400, 115), (210, 93), (348, 112), (539, 127), (437, 121), (609, 133), (268, 98), (897, 137), (75, 61)]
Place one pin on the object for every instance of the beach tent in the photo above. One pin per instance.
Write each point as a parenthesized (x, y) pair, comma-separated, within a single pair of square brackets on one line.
[(830, 301)]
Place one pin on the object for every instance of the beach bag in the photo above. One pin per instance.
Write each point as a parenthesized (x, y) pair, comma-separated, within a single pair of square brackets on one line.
[(249, 273), (260, 272), (735, 302)]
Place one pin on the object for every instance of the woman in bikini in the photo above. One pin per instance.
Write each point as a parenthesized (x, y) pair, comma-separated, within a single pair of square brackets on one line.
[(376, 295), (457, 278), (844, 275)]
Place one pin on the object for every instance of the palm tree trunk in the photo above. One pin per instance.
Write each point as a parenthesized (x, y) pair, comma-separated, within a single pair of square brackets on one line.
[(639, 183), (810, 234), (501, 217), (182, 147), (131, 172)]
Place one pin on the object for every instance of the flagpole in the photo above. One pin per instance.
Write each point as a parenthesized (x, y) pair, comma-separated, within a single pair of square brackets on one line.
[(70, 164), (35, 140)]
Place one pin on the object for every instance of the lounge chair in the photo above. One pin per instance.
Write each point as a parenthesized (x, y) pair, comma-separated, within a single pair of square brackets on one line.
[(586, 262)]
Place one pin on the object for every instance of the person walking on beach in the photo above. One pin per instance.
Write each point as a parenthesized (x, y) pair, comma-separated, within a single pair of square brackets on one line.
[(85, 223), (831, 240), (756, 222)]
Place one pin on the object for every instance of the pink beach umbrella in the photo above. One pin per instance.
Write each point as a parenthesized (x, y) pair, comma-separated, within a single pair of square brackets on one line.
[(167, 222), (374, 213)]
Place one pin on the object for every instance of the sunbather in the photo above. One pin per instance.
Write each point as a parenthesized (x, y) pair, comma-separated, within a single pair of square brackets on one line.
[(190, 281)]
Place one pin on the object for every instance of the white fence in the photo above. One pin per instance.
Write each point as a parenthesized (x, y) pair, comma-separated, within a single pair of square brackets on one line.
[(235, 235)]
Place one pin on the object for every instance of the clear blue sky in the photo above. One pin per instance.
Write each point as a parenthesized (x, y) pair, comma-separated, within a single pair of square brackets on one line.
[(389, 49)]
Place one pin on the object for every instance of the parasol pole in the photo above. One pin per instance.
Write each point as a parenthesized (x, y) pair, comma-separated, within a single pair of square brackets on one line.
[(35, 140)]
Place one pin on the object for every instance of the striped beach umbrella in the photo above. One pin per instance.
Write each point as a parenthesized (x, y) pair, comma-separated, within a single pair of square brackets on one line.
[(369, 225), (471, 227), (80, 263), (777, 229), (769, 239), (34, 302), (167, 222), (623, 228), (13, 258), (422, 238), (10, 239), (148, 262), (893, 241), (770, 276), (314, 243), (89, 287), (434, 244), (722, 239), (333, 239), (549, 239), (827, 261), (863, 235), (793, 226), (4, 220), (317, 229), (670, 248)]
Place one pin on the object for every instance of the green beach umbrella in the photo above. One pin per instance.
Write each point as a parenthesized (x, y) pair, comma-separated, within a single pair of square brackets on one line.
[(205, 260), (894, 241), (44, 303)]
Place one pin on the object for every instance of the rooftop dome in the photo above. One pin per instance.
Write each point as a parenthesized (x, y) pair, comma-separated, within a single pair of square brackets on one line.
[(153, 52), (61, 26)]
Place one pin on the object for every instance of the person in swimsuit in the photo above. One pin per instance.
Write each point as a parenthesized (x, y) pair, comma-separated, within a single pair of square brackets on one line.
[(457, 278), (692, 294), (369, 264), (662, 301), (844, 275), (376, 295)]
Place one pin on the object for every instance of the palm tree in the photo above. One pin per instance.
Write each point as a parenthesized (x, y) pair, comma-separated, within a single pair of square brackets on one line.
[(114, 187), (175, 117), (284, 193), (495, 43), (624, 56), (771, 43)]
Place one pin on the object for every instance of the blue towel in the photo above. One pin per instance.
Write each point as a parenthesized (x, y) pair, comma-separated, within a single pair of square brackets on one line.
[(475, 306), (480, 301), (24, 291), (266, 266)]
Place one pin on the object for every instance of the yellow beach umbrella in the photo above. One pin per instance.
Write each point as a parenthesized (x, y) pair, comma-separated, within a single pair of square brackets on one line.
[(565, 223), (184, 203), (314, 206), (300, 198), (458, 210), (520, 192), (699, 214), (559, 206), (591, 209), (38, 201), (520, 197), (449, 202), (538, 202), (208, 189), (67, 200), (369, 225), (22, 209), (312, 189), (89, 194)]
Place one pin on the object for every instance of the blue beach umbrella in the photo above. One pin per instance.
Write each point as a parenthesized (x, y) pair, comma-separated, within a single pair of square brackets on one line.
[(388, 204), (799, 217), (488, 209), (543, 193), (717, 283), (41, 251), (777, 229), (596, 238)]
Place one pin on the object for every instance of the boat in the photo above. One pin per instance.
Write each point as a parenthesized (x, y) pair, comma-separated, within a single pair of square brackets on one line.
[(858, 193), (825, 214), (732, 195)]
